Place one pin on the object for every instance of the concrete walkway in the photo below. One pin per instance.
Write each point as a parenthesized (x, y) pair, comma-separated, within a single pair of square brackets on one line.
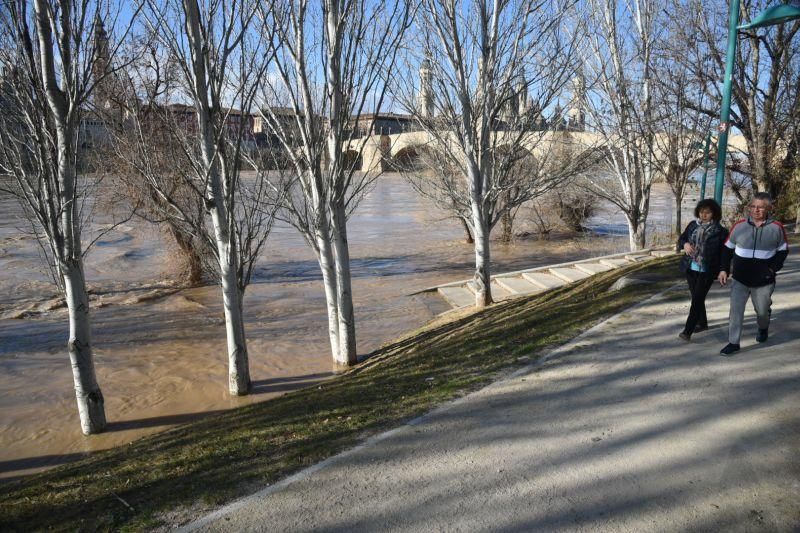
[(626, 428)]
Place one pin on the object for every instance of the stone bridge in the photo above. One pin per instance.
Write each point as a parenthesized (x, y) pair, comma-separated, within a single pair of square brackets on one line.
[(403, 150)]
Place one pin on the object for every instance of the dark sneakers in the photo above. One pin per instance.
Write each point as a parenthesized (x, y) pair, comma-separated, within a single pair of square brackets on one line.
[(685, 336), (762, 335), (729, 349), (698, 328)]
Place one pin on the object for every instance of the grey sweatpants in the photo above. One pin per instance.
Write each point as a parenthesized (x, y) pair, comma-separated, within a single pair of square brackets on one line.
[(762, 303)]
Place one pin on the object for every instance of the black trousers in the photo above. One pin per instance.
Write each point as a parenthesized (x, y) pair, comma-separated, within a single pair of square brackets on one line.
[(699, 285)]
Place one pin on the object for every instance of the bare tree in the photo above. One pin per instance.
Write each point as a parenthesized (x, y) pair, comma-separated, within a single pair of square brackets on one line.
[(792, 164), (149, 158), (333, 60), (620, 60), (788, 167), (493, 67), (49, 59), (575, 206), (682, 131), (210, 46), (764, 83)]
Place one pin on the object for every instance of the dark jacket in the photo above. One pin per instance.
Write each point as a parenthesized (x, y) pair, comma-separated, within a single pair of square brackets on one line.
[(712, 258), (753, 254)]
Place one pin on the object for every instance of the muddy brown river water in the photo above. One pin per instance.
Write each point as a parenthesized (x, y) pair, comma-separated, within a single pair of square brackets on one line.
[(161, 360)]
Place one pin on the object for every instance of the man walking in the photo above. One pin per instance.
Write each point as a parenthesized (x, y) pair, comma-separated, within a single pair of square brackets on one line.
[(754, 251)]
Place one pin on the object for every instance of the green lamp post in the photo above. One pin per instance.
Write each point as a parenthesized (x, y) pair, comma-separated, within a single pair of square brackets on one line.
[(768, 17), (705, 166)]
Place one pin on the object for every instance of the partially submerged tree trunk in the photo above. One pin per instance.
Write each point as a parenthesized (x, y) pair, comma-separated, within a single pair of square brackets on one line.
[(193, 261), (347, 355), (506, 227), (218, 202), (357, 43), (324, 251), (214, 63), (232, 299), (44, 92), (91, 405)]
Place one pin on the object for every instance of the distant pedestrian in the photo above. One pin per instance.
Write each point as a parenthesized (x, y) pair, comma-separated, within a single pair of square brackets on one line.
[(755, 250), (702, 241)]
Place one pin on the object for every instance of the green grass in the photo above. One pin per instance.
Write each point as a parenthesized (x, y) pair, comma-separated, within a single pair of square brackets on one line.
[(167, 477)]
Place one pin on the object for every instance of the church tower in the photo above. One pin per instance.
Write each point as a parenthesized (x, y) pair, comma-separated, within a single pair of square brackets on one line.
[(101, 67), (523, 99), (577, 111), (508, 113), (425, 96), (558, 123)]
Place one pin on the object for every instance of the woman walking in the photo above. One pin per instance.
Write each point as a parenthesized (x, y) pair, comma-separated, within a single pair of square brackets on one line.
[(702, 242)]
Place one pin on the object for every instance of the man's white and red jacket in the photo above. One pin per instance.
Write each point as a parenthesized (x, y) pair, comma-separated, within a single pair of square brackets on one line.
[(753, 254)]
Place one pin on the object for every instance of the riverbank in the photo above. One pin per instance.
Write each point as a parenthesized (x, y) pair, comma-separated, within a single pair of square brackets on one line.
[(160, 354), (168, 478)]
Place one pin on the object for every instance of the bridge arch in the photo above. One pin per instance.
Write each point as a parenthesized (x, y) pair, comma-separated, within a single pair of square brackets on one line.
[(409, 158)]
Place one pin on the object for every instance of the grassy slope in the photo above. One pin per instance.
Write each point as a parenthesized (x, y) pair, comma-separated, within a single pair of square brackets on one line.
[(216, 459)]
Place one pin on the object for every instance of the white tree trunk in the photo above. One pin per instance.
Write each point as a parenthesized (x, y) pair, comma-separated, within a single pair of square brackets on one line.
[(238, 363), (91, 406), (482, 278), (220, 199), (326, 262), (636, 234), (347, 355)]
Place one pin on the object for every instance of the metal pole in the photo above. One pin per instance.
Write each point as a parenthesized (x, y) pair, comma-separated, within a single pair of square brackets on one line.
[(725, 114), (705, 166)]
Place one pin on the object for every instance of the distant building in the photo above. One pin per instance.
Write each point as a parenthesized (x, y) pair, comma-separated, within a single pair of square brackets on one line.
[(185, 118), (287, 121), (558, 122), (381, 124), (285, 115)]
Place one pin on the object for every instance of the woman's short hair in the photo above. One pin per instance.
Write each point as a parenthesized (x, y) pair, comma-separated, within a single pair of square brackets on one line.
[(711, 205)]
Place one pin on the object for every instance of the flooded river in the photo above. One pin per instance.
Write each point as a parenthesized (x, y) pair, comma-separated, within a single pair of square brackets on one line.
[(161, 360)]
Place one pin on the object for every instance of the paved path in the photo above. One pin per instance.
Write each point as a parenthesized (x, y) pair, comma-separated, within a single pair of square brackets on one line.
[(626, 428)]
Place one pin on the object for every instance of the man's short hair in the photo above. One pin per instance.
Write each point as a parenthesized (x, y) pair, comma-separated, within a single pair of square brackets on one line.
[(763, 196)]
